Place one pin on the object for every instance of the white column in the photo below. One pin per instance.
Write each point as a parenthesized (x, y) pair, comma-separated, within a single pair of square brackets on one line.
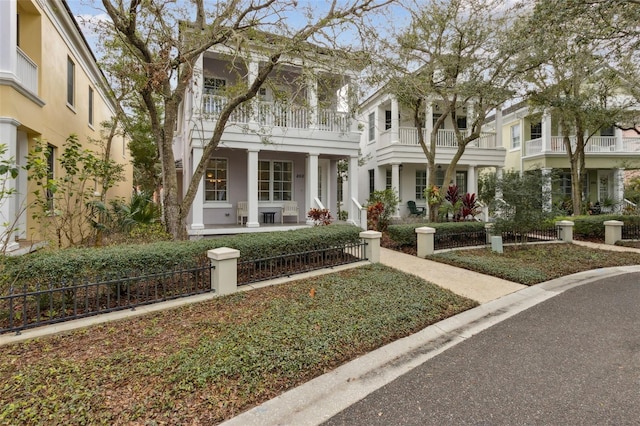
[(197, 208), (311, 183), (472, 181), (395, 121), (252, 188), (619, 140), (546, 189), (312, 100), (428, 124), (198, 85), (618, 188), (499, 126), (395, 185), (546, 132), (254, 68), (352, 180), (8, 203), (8, 51)]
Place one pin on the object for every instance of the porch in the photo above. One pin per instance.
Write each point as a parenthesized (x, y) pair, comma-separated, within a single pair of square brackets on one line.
[(595, 145), (446, 138)]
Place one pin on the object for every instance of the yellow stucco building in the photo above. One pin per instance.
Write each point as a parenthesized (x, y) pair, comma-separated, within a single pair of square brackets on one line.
[(50, 88)]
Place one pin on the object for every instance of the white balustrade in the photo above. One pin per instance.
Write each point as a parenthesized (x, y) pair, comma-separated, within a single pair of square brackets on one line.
[(27, 71)]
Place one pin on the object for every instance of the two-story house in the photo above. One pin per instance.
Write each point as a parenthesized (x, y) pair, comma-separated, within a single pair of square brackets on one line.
[(279, 150), (50, 88), (393, 158), (533, 141)]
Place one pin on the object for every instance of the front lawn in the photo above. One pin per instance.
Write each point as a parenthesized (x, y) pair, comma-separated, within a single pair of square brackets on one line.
[(203, 363), (535, 263)]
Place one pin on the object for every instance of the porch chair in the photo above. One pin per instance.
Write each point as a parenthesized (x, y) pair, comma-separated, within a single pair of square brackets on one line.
[(290, 208), (241, 211), (415, 210)]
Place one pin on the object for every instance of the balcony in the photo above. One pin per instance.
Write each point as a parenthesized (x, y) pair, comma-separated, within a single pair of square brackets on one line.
[(278, 114), (596, 144), (444, 139), (27, 72)]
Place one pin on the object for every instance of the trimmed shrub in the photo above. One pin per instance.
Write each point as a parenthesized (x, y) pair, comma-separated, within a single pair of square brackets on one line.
[(120, 261), (592, 227), (405, 234)]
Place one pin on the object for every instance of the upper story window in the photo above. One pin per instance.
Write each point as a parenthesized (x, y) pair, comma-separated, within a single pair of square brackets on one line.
[(607, 131), (387, 120), (536, 131), (214, 86), (215, 184), (461, 122), (515, 136), (372, 126), (90, 106), (71, 71)]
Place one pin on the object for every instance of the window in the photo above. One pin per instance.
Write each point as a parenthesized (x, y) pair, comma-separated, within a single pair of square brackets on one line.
[(275, 180), (388, 179), (372, 181), (90, 106), (461, 122), (436, 117), (50, 173), (214, 86), (460, 181), (515, 136), (565, 184), (70, 81), (387, 120), (421, 183), (536, 131), (372, 126), (607, 131), (215, 183)]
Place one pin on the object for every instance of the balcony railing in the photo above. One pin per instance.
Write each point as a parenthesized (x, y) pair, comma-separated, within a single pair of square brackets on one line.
[(275, 114), (596, 144), (27, 71), (445, 138)]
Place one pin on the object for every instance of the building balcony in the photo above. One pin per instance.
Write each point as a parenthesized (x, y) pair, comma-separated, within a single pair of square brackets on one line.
[(446, 138), (27, 72), (595, 145)]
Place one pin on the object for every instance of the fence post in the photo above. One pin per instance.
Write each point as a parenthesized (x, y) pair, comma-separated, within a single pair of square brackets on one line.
[(224, 276), (612, 231), (364, 221), (488, 229), (426, 245), (565, 230), (372, 249)]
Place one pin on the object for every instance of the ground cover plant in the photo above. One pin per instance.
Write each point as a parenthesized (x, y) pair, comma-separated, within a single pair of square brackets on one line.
[(206, 362), (535, 263)]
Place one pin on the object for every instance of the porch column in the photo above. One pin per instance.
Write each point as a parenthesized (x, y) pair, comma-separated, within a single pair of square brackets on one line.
[(197, 208), (312, 100), (619, 140), (472, 181), (395, 121), (352, 179), (546, 189), (8, 206), (197, 87), (311, 184), (546, 131), (252, 74), (499, 126), (395, 185), (428, 121), (252, 188), (8, 35), (618, 188)]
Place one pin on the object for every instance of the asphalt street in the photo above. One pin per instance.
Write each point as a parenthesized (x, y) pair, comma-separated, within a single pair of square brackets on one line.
[(573, 359)]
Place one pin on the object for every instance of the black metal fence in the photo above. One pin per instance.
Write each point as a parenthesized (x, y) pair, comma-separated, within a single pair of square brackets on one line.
[(251, 271), (462, 239), (631, 232), (25, 307), (536, 235)]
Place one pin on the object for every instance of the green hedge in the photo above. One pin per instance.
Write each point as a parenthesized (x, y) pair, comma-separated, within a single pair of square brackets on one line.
[(405, 234), (592, 227), (118, 261)]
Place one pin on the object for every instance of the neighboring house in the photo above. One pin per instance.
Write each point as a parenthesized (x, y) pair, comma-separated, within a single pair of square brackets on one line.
[(280, 150), (533, 142), (394, 159), (50, 87)]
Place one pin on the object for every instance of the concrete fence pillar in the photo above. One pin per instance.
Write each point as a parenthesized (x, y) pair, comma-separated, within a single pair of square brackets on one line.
[(363, 218), (372, 249), (612, 231), (224, 276), (488, 229), (565, 230), (426, 244)]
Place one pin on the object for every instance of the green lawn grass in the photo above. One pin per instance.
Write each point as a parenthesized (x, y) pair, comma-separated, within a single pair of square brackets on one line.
[(206, 362)]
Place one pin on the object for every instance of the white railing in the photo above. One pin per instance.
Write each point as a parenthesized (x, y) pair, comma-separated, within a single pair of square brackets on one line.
[(631, 144), (362, 219), (274, 114), (601, 144), (486, 140), (408, 135), (27, 71), (384, 138), (445, 138), (533, 146)]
